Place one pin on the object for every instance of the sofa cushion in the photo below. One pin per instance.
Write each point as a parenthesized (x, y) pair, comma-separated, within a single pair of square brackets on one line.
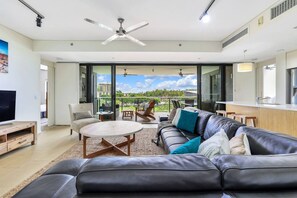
[(173, 138), (246, 172), (169, 173), (188, 147), (78, 124), (263, 142), (215, 123), (202, 120), (187, 121)]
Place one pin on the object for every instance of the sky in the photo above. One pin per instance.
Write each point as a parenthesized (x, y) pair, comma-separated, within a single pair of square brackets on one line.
[(3, 47), (143, 83)]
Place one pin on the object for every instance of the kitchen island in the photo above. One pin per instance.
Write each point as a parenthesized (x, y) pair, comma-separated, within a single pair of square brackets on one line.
[(274, 117)]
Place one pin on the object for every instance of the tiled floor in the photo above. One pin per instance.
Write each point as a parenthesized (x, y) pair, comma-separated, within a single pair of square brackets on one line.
[(20, 164)]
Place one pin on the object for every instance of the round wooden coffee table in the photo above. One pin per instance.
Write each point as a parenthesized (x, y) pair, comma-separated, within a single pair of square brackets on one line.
[(110, 129)]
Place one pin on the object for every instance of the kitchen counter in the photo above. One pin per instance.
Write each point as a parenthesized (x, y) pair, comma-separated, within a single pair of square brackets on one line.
[(275, 117), (289, 107)]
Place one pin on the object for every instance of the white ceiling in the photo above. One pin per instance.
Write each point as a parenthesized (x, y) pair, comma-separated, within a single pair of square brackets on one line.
[(169, 19), (172, 20)]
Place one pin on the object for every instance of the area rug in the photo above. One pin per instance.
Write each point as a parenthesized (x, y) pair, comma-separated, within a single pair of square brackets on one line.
[(141, 146)]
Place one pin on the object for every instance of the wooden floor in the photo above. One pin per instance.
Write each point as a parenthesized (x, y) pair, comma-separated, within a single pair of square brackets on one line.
[(20, 164)]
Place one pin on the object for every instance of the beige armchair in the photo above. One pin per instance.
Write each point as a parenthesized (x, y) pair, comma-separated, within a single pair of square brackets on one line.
[(80, 116)]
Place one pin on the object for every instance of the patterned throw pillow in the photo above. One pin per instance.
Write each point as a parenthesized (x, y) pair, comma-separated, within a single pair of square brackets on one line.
[(215, 145)]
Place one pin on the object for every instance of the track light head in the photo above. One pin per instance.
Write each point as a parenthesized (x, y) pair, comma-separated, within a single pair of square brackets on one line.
[(38, 21)]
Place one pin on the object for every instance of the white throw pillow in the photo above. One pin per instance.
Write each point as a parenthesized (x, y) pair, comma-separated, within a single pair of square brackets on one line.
[(215, 145), (246, 145), (176, 117), (193, 109)]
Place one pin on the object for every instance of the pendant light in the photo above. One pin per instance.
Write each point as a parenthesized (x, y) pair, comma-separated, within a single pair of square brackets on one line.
[(245, 66)]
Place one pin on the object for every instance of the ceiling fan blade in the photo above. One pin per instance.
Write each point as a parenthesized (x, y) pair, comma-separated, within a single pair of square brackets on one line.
[(113, 37), (99, 24), (131, 38), (136, 27)]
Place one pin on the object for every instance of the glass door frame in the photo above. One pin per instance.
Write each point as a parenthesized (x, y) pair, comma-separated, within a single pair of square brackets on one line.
[(90, 91), (90, 95)]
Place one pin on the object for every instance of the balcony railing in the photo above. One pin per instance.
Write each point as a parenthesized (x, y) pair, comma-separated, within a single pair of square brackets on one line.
[(163, 104)]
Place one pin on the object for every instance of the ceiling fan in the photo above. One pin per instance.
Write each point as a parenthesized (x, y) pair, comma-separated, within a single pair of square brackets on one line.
[(121, 32), (181, 74), (126, 73)]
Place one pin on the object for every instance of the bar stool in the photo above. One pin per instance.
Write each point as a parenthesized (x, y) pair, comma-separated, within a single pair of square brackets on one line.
[(224, 113), (245, 118)]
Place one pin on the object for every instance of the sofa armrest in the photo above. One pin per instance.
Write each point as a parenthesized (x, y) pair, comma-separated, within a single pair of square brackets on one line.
[(168, 173)]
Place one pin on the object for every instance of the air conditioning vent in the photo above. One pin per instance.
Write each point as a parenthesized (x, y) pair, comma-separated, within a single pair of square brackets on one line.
[(282, 7), (236, 37)]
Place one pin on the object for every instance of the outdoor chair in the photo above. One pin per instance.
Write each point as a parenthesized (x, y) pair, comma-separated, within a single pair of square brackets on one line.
[(176, 104), (80, 116), (147, 113)]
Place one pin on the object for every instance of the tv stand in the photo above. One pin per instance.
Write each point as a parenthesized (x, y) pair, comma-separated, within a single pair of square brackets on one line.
[(16, 134)]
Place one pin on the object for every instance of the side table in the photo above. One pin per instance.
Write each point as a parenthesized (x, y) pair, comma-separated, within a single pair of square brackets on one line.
[(127, 114)]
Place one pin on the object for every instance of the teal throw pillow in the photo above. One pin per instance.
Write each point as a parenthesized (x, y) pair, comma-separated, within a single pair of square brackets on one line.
[(187, 121), (191, 146)]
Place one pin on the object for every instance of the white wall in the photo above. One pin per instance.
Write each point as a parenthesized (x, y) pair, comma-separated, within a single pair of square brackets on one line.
[(23, 76), (292, 59), (281, 78), (66, 90), (244, 85)]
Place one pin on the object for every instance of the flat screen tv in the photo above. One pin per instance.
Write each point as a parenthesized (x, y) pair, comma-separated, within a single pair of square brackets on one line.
[(7, 105)]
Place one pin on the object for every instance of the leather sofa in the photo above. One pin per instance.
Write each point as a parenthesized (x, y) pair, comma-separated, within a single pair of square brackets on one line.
[(271, 170)]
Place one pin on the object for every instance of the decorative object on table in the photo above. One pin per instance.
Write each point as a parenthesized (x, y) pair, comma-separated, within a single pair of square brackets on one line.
[(147, 113), (3, 56), (83, 111)]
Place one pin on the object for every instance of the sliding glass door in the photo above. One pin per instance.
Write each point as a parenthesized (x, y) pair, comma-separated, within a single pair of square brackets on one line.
[(114, 88), (210, 87), (99, 89)]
